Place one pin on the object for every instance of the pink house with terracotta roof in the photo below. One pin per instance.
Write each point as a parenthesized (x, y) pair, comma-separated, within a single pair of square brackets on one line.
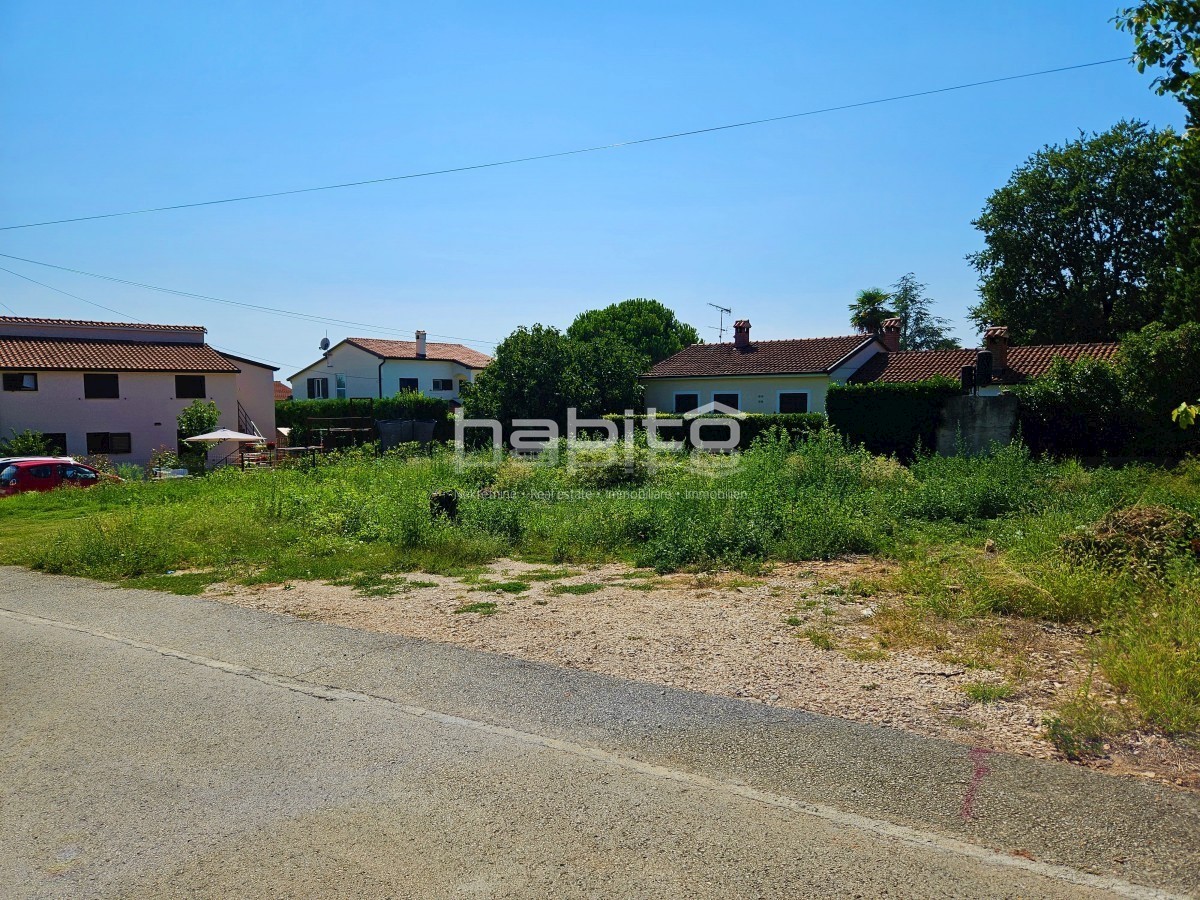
[(794, 375), (372, 367), (116, 388)]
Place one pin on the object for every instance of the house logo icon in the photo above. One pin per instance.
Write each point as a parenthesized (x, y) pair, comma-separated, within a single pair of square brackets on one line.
[(714, 409)]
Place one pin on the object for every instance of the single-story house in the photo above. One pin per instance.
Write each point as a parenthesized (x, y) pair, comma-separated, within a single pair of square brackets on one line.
[(371, 367), (282, 392), (1010, 365), (115, 388), (786, 376)]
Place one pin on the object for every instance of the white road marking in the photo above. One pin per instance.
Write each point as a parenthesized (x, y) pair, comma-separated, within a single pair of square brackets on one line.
[(913, 836)]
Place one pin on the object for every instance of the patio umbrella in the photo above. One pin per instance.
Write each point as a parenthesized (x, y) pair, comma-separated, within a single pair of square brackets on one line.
[(224, 434)]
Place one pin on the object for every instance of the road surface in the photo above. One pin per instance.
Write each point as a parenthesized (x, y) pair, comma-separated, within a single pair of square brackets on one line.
[(154, 745)]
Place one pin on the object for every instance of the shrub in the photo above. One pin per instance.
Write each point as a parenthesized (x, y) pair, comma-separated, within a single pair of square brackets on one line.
[(1135, 539), (26, 443), (1074, 408), (887, 418), (1161, 369), (750, 427), (296, 414)]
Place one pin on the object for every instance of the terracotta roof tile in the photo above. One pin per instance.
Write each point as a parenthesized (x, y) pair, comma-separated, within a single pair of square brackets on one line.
[(472, 359), (804, 355), (109, 356), (77, 323), (1023, 362), (282, 391)]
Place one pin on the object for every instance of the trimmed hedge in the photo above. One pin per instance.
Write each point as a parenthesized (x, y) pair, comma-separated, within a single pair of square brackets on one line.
[(797, 425), (295, 414), (890, 418)]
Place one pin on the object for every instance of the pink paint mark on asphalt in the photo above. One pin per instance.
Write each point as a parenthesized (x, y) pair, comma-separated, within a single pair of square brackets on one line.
[(979, 769)]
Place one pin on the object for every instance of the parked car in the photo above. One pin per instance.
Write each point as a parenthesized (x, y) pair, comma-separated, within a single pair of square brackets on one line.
[(7, 460), (45, 474)]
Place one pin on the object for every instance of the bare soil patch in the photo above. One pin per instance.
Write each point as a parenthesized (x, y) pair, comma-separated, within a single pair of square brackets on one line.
[(814, 636)]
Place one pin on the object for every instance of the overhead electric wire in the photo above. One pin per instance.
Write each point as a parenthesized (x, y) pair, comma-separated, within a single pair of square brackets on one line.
[(575, 152), (272, 310), (119, 313)]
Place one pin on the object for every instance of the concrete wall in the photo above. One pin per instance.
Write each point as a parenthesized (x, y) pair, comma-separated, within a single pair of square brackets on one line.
[(146, 409), (362, 372), (978, 422), (759, 393)]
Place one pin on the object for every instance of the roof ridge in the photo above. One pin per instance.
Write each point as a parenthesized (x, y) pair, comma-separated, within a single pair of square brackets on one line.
[(70, 323)]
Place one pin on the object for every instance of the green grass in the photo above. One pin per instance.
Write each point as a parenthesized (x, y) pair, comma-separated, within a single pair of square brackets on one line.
[(363, 520), (822, 640), (504, 587), (483, 609), (588, 587), (983, 692)]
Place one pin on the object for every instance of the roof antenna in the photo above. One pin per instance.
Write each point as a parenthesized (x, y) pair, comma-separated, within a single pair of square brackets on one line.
[(720, 330)]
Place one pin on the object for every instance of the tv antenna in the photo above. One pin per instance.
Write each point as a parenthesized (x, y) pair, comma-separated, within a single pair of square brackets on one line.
[(720, 330)]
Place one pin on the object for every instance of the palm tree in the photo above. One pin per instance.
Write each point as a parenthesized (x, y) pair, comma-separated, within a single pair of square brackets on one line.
[(869, 309)]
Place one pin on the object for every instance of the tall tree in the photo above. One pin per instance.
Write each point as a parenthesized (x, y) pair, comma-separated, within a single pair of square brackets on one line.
[(646, 326), (1166, 37), (531, 376), (869, 309), (1075, 244), (920, 329)]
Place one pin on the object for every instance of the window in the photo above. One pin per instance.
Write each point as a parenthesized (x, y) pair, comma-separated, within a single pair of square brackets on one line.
[(686, 402), (77, 474), (41, 471), (190, 387), (443, 384), (100, 387), (109, 442), (20, 381), (56, 442), (793, 401), (408, 384), (318, 389), (733, 401), (339, 382)]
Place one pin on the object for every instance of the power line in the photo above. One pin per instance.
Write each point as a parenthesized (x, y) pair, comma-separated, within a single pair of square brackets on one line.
[(118, 312), (51, 287), (576, 152), (272, 310)]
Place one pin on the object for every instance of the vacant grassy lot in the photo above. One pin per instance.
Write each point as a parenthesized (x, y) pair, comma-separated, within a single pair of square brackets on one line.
[(979, 540)]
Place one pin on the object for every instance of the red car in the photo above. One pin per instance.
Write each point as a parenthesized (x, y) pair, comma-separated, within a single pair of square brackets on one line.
[(44, 475)]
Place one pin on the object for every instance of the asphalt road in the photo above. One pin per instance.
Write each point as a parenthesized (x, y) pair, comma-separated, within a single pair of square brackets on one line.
[(153, 745)]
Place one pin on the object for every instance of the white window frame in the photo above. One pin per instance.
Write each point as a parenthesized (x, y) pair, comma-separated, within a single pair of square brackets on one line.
[(309, 384), (737, 394), (675, 400), (448, 381), (339, 382), (807, 403)]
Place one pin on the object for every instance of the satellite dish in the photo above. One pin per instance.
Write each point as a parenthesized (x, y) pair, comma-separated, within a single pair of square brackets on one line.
[(324, 344)]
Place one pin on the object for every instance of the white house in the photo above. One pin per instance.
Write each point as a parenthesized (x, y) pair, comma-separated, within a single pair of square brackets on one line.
[(116, 389), (370, 367), (788, 376)]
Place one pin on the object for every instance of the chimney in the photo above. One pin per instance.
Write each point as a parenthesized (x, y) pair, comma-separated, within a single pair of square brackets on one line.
[(741, 334), (420, 345), (889, 333), (995, 341)]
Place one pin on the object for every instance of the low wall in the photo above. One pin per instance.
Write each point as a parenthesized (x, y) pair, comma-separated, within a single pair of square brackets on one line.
[(975, 423)]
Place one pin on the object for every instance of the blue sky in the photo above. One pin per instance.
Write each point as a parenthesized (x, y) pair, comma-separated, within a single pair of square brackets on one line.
[(106, 107)]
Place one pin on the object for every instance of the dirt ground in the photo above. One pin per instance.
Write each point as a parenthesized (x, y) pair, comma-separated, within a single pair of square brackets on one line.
[(816, 636)]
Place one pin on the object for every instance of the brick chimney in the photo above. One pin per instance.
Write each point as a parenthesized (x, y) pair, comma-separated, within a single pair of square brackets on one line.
[(741, 334), (420, 345), (889, 333), (995, 340)]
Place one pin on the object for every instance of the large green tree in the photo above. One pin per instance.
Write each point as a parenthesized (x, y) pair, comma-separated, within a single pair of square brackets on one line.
[(539, 372), (646, 326), (1075, 245), (1166, 38), (920, 329), (869, 309)]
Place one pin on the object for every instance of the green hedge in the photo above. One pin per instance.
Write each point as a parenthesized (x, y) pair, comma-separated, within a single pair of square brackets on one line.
[(890, 418), (296, 414), (751, 426)]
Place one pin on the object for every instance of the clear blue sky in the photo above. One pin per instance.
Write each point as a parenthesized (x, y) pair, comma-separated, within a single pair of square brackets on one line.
[(105, 107)]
